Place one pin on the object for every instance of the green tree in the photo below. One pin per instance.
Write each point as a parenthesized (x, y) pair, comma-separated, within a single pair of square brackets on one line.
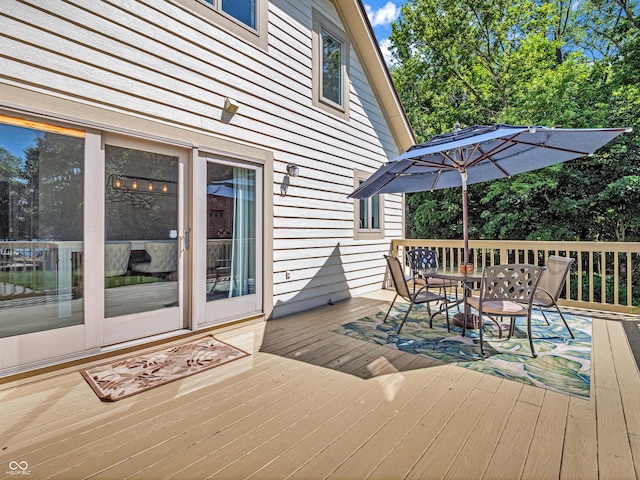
[(551, 63)]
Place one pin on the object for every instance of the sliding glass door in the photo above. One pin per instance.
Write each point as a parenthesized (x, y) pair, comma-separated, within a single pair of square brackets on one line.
[(233, 240), (41, 228), (145, 242)]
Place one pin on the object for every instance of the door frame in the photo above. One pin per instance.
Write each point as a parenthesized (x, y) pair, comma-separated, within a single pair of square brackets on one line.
[(217, 312)]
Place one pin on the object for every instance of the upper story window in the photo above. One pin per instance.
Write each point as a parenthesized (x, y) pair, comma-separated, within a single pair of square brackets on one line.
[(330, 67), (244, 18), (242, 10)]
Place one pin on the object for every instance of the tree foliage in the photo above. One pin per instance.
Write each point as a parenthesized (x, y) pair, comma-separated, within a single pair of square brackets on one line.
[(526, 62)]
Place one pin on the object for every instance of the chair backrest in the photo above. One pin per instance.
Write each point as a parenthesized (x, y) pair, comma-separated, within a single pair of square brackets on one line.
[(553, 278), (397, 276), (516, 282), (116, 258), (421, 259), (164, 256)]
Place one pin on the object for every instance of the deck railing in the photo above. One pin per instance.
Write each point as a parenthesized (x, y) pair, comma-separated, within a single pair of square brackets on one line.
[(27, 269), (605, 275)]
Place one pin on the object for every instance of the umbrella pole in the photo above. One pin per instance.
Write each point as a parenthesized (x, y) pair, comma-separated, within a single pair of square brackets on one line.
[(465, 219)]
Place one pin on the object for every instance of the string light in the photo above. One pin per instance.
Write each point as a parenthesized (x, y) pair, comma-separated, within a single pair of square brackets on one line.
[(151, 186)]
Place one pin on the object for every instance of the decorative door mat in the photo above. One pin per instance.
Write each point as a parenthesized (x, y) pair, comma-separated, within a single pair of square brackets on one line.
[(563, 364), (125, 377)]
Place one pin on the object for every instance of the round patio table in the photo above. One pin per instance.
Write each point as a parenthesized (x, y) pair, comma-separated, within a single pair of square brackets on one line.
[(463, 319)]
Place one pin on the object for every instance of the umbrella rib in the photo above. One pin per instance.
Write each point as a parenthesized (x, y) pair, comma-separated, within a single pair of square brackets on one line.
[(514, 140), (426, 163), (560, 149), (391, 179), (503, 145)]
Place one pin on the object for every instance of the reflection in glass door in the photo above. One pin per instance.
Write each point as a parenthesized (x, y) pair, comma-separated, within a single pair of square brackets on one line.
[(142, 243), (41, 228), (231, 231)]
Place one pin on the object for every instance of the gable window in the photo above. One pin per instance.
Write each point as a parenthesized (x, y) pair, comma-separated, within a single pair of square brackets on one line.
[(244, 18), (330, 67), (369, 213)]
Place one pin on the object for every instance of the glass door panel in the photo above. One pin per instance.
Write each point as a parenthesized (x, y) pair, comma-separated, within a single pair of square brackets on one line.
[(233, 240), (143, 249), (41, 228)]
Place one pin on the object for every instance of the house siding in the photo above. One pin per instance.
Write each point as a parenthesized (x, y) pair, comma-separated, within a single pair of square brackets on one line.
[(158, 60)]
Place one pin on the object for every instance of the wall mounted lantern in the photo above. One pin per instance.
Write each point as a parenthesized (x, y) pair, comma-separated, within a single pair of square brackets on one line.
[(292, 170)]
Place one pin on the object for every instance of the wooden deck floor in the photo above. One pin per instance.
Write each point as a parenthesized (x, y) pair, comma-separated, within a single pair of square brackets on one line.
[(312, 404)]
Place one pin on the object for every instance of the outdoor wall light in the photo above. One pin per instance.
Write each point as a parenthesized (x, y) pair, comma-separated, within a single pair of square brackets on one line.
[(231, 105), (292, 170)]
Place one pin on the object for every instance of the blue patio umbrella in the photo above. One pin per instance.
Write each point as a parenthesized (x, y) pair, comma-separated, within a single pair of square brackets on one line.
[(229, 188), (478, 154)]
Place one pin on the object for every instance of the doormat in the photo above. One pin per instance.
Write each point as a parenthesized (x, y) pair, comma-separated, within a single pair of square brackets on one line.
[(563, 364), (126, 377)]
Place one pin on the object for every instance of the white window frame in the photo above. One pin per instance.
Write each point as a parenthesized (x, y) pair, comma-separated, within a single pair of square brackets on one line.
[(320, 24), (361, 233)]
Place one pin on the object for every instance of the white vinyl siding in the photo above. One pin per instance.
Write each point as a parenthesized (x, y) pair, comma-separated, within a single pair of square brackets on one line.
[(158, 60)]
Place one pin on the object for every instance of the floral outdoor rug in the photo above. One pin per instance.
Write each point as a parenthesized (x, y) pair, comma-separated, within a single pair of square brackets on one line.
[(125, 377), (563, 364)]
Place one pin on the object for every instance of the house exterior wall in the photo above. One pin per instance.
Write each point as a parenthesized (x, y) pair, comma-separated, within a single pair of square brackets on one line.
[(160, 69)]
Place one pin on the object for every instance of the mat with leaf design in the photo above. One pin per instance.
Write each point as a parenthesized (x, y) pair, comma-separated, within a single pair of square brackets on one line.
[(563, 364), (125, 377)]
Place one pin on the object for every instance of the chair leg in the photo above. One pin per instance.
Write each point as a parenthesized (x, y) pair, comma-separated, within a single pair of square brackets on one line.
[(390, 307), (484, 354), (512, 327), (544, 316), (447, 314), (457, 306), (405, 317), (446, 310), (565, 322), (533, 350), (497, 325)]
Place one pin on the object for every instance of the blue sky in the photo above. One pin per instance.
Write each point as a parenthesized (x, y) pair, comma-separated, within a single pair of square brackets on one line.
[(16, 139), (381, 13)]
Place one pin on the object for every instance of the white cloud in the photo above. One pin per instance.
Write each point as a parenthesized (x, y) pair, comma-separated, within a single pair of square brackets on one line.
[(382, 16), (385, 48)]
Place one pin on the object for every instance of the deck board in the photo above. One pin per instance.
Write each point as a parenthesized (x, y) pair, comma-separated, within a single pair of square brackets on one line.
[(614, 451), (474, 457), (427, 427), (545, 453), (580, 452), (310, 403)]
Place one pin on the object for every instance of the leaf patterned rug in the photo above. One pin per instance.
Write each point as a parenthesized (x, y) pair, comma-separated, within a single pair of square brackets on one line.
[(563, 364), (125, 377)]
